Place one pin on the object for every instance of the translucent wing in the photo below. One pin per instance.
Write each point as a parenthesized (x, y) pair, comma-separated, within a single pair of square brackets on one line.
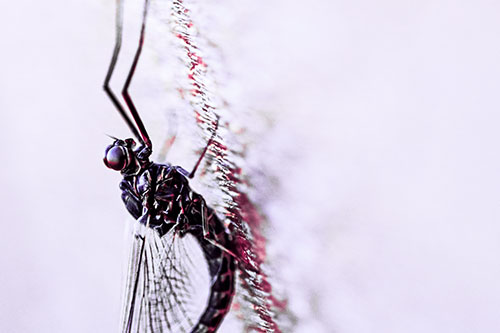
[(167, 284)]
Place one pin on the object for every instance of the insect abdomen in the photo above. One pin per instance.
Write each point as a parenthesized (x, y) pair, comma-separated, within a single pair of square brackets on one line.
[(221, 289), (222, 267)]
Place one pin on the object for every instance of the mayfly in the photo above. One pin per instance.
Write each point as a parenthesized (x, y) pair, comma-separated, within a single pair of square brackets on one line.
[(159, 197)]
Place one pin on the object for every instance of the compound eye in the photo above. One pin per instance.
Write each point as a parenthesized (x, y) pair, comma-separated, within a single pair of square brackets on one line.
[(116, 158)]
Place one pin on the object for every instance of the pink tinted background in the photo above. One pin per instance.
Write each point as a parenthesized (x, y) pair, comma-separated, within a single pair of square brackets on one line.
[(385, 144)]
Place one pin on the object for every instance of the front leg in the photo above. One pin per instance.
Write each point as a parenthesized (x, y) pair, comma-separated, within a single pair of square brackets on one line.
[(132, 202)]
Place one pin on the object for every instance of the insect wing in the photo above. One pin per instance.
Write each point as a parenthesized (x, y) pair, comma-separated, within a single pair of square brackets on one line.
[(167, 283)]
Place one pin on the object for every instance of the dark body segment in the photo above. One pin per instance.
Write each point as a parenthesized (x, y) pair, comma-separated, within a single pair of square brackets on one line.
[(159, 195), (162, 194)]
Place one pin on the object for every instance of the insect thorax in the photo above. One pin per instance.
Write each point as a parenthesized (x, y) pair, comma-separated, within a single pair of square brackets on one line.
[(164, 192)]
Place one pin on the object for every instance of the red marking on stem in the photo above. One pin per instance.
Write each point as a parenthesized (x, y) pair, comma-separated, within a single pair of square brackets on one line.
[(281, 305), (244, 220), (236, 306), (181, 92)]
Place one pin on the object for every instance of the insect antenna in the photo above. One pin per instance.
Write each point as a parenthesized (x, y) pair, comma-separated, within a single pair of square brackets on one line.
[(125, 93), (111, 68), (112, 137)]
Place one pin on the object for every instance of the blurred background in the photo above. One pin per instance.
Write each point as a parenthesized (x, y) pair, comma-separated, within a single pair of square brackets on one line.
[(378, 126)]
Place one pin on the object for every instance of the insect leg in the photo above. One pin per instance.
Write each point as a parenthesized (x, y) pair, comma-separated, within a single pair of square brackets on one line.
[(204, 220), (191, 175), (132, 202), (215, 243), (111, 68), (206, 232), (125, 92)]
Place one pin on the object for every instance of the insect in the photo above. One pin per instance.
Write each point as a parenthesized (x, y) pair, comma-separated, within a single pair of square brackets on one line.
[(159, 197)]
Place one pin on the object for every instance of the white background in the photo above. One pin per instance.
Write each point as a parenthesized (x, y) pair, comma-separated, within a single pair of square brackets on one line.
[(385, 144)]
